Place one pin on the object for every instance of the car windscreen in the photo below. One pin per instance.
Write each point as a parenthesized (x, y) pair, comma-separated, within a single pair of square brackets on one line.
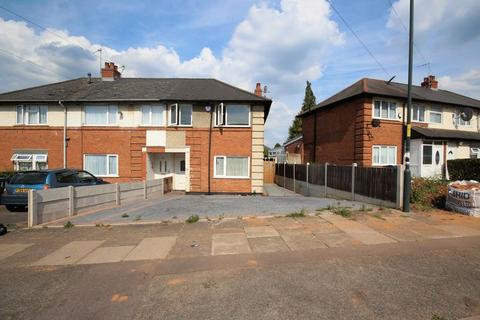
[(29, 178)]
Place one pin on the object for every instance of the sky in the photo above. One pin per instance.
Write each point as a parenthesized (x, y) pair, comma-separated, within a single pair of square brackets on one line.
[(281, 44)]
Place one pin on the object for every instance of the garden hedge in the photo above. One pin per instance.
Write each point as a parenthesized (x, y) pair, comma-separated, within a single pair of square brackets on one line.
[(464, 169)]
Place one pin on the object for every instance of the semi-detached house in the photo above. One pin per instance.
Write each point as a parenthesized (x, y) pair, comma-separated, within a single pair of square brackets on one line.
[(206, 134), (366, 123)]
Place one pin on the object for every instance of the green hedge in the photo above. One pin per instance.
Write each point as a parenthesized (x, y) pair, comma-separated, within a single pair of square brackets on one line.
[(464, 169)]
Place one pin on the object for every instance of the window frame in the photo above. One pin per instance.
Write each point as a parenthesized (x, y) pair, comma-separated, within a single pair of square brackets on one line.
[(108, 155), (435, 110), (379, 146), (108, 124), (418, 106), (150, 113), (25, 114), (460, 122), (33, 158), (178, 114), (222, 110), (224, 175), (389, 102), (423, 154)]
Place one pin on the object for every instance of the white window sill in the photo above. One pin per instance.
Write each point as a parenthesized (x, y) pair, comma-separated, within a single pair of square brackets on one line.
[(32, 124), (107, 176), (234, 126), (100, 125), (227, 177), (398, 120)]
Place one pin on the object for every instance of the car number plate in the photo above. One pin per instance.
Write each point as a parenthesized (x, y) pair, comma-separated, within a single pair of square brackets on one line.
[(21, 190)]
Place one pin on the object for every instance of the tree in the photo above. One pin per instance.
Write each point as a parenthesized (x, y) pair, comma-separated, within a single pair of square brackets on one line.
[(308, 103), (277, 145)]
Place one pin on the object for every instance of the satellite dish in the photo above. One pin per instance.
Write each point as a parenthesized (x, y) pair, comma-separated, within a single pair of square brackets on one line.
[(466, 114)]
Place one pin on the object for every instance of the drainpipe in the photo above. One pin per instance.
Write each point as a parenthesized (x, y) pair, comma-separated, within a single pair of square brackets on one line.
[(64, 133), (210, 110)]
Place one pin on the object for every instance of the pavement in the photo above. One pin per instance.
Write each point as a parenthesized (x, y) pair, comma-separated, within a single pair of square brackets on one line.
[(376, 264), (177, 206)]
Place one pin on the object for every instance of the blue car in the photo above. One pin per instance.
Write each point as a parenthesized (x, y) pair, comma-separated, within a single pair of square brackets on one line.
[(15, 195)]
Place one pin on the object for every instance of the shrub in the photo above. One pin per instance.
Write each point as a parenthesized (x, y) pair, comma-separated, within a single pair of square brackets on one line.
[(428, 193), (464, 169), (193, 218)]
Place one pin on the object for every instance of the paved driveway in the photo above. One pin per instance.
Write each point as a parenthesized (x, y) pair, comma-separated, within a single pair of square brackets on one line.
[(180, 206)]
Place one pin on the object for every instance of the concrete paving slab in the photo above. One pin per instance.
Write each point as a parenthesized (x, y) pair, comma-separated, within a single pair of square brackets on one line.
[(428, 231), (261, 231), (459, 230), (334, 240), (396, 229), (191, 245), (152, 248), (107, 255), (274, 190), (358, 231), (285, 223), (7, 250), (267, 244), (301, 239), (69, 254), (229, 243)]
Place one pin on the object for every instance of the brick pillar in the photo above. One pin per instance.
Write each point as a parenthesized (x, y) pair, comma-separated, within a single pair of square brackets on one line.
[(363, 133)]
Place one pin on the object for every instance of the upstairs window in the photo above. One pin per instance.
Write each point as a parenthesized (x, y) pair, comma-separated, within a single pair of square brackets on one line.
[(180, 115), (101, 115), (232, 115), (418, 113), (385, 110), (460, 121), (153, 115), (436, 115), (32, 114)]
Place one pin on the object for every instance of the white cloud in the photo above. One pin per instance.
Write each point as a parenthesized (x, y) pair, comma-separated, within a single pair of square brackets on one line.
[(279, 47), (467, 83)]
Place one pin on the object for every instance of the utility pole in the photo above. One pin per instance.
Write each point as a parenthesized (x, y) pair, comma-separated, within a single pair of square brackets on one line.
[(407, 174)]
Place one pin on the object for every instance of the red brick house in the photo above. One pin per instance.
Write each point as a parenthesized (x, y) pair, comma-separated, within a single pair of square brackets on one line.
[(294, 149), (365, 123), (206, 134)]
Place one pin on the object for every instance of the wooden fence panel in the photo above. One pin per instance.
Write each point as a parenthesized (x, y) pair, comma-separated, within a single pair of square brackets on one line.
[(268, 171), (339, 177), (316, 174), (378, 183)]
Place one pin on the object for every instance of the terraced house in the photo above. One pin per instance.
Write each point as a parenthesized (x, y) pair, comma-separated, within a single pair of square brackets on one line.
[(206, 134), (365, 124)]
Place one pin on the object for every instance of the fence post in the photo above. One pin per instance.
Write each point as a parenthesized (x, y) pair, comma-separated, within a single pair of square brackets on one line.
[(399, 197), (325, 178), (354, 165), (306, 178), (294, 176), (284, 166), (71, 201), (117, 194), (32, 208), (144, 189)]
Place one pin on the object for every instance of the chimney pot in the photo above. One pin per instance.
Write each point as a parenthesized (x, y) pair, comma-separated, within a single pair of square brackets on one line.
[(430, 82), (110, 72), (258, 89)]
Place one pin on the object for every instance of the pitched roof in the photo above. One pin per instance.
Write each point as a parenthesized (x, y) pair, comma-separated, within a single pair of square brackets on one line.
[(135, 89), (292, 140), (397, 90), (431, 133)]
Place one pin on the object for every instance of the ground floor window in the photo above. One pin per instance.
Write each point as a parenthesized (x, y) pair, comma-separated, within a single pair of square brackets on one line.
[(231, 167), (427, 154), (29, 161), (384, 155), (102, 165)]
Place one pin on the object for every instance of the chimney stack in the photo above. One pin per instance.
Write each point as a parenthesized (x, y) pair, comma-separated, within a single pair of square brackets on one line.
[(110, 72), (258, 90), (430, 82)]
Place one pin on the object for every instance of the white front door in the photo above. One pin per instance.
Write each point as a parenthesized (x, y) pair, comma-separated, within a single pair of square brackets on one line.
[(432, 160), (179, 173)]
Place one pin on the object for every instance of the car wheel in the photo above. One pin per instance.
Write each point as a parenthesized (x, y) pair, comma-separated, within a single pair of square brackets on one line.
[(10, 208)]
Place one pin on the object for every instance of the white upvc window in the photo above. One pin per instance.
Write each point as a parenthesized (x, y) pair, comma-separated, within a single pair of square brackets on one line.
[(234, 115), (101, 115), (153, 115), (180, 114), (28, 161), (101, 165), (384, 155), (475, 153), (231, 167), (32, 114), (418, 113), (383, 109), (436, 115)]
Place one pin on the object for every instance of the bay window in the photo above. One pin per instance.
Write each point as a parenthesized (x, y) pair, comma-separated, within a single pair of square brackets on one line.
[(384, 155), (385, 110), (102, 165), (101, 115), (231, 167), (32, 114)]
